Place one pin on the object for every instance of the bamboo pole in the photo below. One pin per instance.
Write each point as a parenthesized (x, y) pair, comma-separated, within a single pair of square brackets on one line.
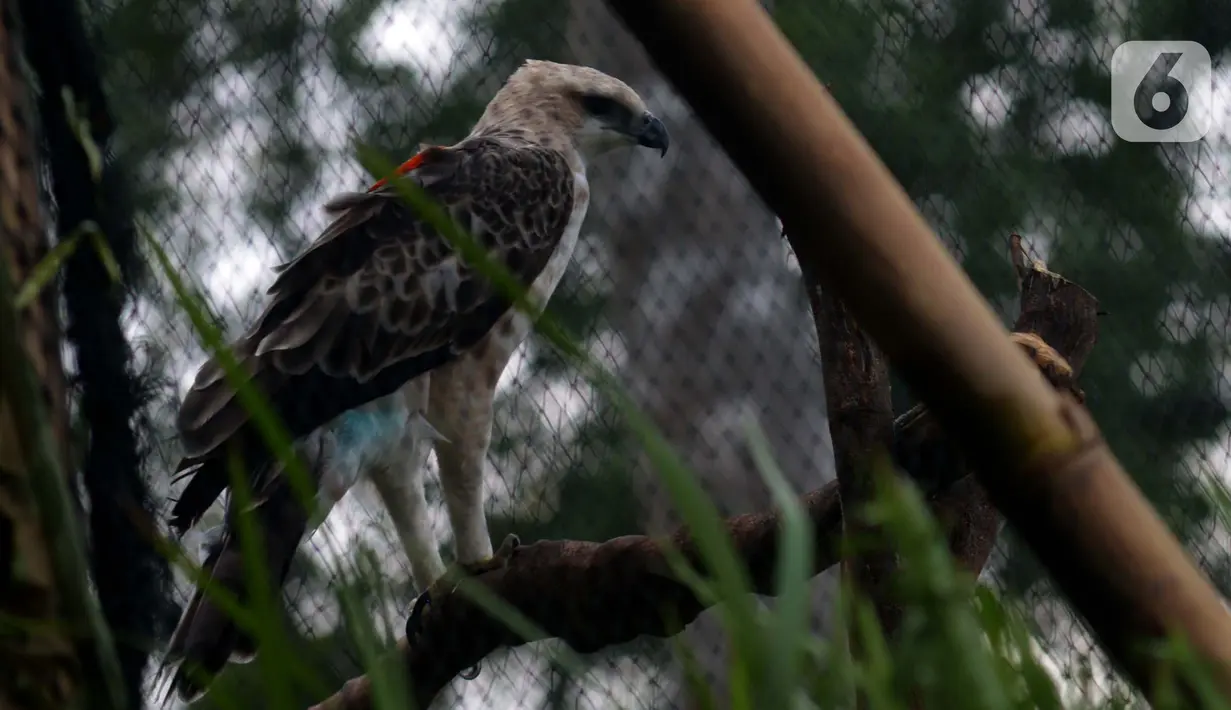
[(1038, 453)]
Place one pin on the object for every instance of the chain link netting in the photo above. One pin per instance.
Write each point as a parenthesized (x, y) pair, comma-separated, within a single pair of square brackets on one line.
[(239, 117)]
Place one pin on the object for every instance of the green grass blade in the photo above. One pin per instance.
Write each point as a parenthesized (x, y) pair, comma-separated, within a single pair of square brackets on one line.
[(103, 249), (706, 525), (790, 619), (80, 126), (45, 271), (246, 619), (1177, 654), (942, 599), (262, 415), (389, 687), (260, 597), (876, 674)]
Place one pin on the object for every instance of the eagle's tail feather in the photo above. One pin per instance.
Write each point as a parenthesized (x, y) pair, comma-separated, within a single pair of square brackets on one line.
[(207, 638)]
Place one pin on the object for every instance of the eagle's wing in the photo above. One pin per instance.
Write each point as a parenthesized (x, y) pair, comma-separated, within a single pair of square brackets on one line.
[(379, 298)]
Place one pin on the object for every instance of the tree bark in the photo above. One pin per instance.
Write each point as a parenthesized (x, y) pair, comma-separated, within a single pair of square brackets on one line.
[(860, 412), (38, 664)]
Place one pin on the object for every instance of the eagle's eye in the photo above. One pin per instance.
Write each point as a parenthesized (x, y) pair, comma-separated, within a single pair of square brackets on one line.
[(606, 108)]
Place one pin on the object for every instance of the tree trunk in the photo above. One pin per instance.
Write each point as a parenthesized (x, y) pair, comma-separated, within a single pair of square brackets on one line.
[(38, 665)]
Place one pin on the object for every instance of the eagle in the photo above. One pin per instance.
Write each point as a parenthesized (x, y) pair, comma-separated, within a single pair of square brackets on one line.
[(379, 341)]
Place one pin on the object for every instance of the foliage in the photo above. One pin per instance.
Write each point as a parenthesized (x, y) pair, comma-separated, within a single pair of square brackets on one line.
[(977, 108), (184, 75)]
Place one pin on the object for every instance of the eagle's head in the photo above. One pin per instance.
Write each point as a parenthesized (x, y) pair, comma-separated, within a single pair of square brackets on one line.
[(569, 106)]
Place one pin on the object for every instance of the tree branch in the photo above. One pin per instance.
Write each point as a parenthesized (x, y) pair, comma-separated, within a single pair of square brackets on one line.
[(860, 413), (1040, 455), (594, 595)]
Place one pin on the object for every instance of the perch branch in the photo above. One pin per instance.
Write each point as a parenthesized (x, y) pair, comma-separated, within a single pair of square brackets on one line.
[(594, 595), (1040, 455), (860, 414)]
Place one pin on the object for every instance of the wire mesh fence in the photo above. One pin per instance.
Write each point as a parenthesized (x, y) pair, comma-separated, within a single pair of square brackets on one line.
[(238, 119)]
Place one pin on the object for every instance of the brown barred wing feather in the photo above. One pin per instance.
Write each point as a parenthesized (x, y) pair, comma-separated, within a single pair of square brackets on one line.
[(379, 298)]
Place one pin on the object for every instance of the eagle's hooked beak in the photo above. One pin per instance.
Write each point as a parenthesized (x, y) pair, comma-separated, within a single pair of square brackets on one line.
[(651, 133)]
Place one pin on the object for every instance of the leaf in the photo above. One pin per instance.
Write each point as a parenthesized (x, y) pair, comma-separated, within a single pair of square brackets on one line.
[(44, 272), (789, 625), (105, 255), (80, 126)]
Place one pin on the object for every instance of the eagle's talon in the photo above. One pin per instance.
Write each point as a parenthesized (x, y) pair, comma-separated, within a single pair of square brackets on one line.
[(447, 584), (508, 548), (472, 672), (414, 622), (499, 559)]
